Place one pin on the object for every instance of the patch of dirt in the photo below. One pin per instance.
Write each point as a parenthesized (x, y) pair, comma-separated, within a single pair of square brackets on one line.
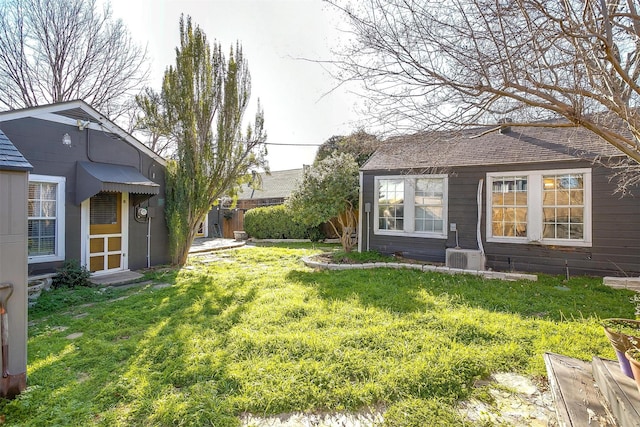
[(364, 418), (511, 400)]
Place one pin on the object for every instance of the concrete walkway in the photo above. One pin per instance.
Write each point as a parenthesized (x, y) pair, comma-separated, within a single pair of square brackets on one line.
[(210, 245)]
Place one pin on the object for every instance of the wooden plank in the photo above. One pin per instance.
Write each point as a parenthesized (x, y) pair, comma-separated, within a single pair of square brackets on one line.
[(576, 399), (620, 392)]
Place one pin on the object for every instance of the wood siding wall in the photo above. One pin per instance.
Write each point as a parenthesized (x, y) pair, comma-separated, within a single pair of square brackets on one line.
[(615, 224), (40, 142), (13, 265)]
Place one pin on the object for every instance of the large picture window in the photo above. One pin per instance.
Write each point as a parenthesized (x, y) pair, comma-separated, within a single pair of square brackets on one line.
[(411, 205), (547, 207), (45, 210)]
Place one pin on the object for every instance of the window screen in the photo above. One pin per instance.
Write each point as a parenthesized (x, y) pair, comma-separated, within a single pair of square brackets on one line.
[(104, 209), (41, 211)]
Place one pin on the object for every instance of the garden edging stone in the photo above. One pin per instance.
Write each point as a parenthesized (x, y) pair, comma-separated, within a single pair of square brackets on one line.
[(310, 262)]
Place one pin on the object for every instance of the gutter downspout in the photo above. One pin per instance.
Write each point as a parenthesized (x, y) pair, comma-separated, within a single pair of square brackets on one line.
[(148, 241), (478, 225), (360, 231)]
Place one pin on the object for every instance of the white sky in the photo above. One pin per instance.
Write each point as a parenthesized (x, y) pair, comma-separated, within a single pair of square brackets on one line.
[(273, 33)]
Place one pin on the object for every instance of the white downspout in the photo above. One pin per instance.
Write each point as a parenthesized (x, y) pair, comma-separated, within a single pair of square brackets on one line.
[(478, 231), (360, 205), (368, 233), (148, 241)]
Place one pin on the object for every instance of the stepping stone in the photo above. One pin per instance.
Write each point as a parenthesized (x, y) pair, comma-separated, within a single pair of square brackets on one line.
[(131, 285), (74, 336), (162, 286), (80, 316), (119, 278)]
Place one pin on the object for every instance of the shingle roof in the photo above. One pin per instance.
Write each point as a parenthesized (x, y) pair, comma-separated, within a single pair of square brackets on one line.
[(10, 157), (529, 144), (279, 184)]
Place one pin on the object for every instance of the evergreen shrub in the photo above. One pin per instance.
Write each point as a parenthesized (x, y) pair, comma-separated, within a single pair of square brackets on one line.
[(276, 222), (71, 275)]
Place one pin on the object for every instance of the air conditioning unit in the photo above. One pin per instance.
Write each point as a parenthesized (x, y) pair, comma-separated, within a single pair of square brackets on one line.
[(466, 259)]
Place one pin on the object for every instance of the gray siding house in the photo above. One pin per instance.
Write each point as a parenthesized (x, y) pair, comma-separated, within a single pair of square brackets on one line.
[(95, 194), (523, 199)]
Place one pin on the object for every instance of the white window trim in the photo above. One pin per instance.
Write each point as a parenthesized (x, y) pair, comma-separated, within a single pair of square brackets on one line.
[(534, 208), (409, 211), (60, 218)]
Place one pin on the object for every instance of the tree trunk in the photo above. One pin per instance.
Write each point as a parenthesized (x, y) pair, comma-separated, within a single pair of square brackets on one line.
[(349, 226)]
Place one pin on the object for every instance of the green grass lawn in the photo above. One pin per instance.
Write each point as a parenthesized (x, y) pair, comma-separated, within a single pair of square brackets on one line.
[(256, 331)]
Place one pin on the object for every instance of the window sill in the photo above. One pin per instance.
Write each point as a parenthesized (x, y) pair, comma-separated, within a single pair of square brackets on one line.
[(410, 234), (521, 241), (44, 258)]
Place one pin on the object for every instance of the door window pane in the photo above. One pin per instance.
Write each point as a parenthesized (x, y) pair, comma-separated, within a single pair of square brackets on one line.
[(104, 209)]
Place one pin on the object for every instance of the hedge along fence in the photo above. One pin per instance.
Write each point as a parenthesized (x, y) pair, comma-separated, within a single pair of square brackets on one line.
[(276, 222)]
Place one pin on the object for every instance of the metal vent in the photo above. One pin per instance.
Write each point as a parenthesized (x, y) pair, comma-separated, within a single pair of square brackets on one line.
[(457, 260), (465, 259)]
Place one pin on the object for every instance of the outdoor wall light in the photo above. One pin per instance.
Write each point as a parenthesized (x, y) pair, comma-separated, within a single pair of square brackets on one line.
[(66, 140)]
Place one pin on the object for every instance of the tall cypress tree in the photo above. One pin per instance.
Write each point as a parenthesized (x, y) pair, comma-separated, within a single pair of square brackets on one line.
[(204, 97)]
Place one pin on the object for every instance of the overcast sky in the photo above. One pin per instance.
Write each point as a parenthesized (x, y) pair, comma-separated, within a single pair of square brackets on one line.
[(273, 34)]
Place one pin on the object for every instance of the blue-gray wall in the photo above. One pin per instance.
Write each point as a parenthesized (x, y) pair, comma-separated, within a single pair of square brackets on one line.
[(40, 142), (615, 227)]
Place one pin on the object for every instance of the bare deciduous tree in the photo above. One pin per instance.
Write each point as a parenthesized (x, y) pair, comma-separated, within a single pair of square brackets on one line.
[(59, 50), (467, 62), (152, 121)]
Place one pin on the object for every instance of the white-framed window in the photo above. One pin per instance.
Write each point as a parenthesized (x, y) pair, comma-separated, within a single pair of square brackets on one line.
[(45, 210), (548, 207), (414, 205)]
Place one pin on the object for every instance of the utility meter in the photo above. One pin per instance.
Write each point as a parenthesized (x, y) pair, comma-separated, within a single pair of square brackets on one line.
[(142, 213)]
